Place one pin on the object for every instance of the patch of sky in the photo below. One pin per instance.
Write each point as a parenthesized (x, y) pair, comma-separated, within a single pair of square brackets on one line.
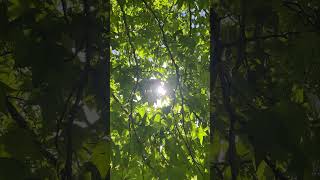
[(183, 13), (115, 52), (202, 13)]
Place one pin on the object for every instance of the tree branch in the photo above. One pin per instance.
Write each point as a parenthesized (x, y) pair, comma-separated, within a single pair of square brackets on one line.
[(277, 172), (297, 8), (266, 37), (143, 156), (64, 9), (22, 123), (178, 76), (82, 83), (242, 36)]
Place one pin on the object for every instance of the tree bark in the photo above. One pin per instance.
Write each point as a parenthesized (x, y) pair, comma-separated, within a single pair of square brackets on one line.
[(215, 56)]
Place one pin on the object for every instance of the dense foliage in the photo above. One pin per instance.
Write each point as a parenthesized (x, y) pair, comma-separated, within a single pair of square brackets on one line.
[(197, 89), (54, 100), (265, 108)]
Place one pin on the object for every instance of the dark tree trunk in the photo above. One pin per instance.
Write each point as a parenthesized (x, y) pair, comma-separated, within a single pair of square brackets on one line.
[(215, 55), (107, 65)]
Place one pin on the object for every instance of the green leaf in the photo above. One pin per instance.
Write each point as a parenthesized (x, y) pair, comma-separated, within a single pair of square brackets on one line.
[(101, 157), (157, 118), (201, 133)]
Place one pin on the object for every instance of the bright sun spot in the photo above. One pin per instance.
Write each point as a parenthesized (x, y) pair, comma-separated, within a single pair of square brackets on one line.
[(161, 91), (162, 100)]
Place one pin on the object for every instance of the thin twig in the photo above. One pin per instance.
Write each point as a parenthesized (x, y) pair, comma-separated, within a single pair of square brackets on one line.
[(178, 76), (277, 172), (143, 156), (284, 35), (64, 9)]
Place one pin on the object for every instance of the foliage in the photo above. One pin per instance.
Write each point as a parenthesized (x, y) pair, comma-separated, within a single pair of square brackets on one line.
[(220, 90), (51, 53)]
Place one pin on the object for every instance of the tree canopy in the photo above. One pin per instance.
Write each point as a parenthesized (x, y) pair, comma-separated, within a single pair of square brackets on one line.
[(162, 89)]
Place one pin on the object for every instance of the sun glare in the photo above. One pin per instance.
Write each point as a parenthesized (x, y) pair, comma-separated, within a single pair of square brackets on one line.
[(162, 102), (161, 90), (162, 99)]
